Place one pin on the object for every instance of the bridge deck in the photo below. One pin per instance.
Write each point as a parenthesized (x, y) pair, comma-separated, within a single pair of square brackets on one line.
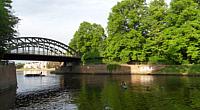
[(33, 57)]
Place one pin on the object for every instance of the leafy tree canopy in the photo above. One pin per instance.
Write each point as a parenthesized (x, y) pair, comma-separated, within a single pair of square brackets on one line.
[(154, 24), (181, 35), (88, 39), (126, 34), (7, 22), (141, 32)]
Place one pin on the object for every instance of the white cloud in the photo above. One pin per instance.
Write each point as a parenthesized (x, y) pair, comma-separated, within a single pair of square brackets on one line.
[(59, 19)]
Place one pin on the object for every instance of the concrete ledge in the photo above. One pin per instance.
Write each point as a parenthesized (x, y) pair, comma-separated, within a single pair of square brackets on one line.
[(123, 69), (7, 77)]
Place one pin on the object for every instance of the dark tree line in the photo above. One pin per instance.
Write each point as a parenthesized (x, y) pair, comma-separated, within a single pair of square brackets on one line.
[(143, 32), (7, 23)]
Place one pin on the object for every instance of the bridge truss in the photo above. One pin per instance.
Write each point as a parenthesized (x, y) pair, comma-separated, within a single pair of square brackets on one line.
[(39, 46)]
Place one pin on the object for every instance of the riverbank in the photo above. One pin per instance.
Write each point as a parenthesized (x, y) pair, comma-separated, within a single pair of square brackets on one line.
[(125, 69), (184, 70)]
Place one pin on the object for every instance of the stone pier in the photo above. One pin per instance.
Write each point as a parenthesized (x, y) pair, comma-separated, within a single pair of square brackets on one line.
[(7, 77)]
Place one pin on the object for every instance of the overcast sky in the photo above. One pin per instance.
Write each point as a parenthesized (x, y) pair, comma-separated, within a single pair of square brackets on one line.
[(59, 19)]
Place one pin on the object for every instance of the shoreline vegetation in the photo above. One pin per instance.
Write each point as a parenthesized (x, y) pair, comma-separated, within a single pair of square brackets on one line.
[(183, 70), (138, 31), (166, 36)]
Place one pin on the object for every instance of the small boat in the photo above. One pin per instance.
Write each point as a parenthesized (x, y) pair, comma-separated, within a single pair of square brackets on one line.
[(34, 75)]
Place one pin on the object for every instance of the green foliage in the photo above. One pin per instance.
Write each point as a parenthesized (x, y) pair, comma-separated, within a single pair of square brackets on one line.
[(181, 35), (88, 40), (154, 32), (93, 57), (154, 24), (157, 60), (7, 23), (142, 32), (126, 34), (113, 67), (134, 29), (180, 69)]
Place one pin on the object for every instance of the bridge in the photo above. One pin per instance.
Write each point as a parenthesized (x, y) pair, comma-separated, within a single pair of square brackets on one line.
[(39, 49)]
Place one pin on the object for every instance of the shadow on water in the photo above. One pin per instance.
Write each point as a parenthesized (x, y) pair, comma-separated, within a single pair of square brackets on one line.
[(7, 99)]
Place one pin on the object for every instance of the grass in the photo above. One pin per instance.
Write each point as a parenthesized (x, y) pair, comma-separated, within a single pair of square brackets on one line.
[(181, 69)]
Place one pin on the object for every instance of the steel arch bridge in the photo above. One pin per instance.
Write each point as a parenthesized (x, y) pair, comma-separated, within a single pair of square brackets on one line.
[(38, 48)]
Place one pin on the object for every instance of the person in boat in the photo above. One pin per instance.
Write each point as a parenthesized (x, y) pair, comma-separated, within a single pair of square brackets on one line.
[(30, 75)]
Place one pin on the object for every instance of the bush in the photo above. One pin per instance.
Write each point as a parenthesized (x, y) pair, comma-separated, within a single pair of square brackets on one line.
[(158, 60), (113, 67)]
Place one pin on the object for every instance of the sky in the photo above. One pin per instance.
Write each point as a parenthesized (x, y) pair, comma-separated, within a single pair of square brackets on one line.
[(59, 19)]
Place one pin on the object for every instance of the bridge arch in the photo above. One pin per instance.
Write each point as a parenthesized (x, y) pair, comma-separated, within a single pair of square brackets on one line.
[(39, 46)]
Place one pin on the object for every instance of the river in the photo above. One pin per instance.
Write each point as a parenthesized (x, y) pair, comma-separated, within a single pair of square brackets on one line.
[(102, 92)]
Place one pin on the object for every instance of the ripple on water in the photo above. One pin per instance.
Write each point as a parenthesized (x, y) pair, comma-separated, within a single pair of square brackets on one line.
[(46, 100)]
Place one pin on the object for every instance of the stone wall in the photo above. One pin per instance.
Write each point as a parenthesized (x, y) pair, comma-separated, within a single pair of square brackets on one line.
[(102, 69), (144, 69), (7, 76)]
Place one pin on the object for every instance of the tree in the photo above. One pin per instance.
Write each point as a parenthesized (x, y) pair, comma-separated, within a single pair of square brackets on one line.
[(126, 34), (7, 23), (155, 24), (88, 40), (141, 32), (182, 35)]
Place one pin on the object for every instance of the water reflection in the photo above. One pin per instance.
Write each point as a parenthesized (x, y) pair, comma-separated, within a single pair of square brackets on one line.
[(172, 94), (26, 84), (105, 92), (142, 79)]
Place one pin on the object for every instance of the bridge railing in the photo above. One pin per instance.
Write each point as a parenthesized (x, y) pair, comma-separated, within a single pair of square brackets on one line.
[(41, 53)]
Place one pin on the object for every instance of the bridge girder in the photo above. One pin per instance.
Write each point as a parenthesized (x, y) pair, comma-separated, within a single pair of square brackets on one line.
[(33, 45)]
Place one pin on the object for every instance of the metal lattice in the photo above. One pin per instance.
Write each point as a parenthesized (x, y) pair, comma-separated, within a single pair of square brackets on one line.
[(39, 46)]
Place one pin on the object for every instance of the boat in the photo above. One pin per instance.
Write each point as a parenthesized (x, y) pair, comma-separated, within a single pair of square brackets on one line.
[(34, 75)]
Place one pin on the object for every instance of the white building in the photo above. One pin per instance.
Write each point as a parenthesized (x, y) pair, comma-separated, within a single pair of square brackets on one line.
[(36, 65)]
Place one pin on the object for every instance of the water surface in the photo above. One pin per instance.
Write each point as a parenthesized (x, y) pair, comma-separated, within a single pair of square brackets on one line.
[(106, 92)]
